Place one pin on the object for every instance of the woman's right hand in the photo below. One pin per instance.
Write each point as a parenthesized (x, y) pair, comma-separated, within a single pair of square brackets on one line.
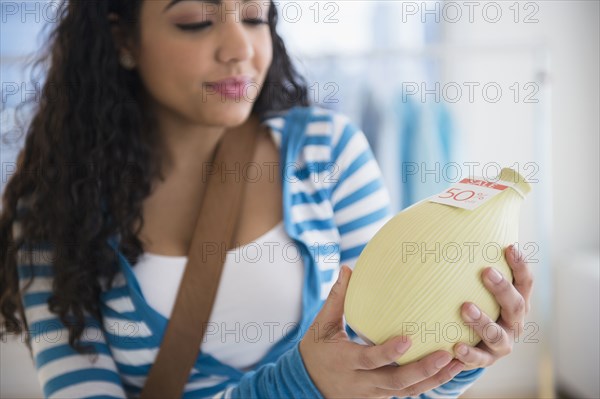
[(341, 368)]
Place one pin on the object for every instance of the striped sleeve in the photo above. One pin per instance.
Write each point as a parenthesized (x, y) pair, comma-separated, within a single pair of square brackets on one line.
[(62, 372), (456, 386), (360, 199), (361, 206), (285, 378)]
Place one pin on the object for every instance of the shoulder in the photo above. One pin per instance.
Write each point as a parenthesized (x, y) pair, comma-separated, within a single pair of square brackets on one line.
[(33, 257), (305, 115), (24, 204), (315, 125)]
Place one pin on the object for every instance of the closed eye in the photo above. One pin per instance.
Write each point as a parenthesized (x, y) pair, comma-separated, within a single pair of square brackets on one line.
[(202, 25), (256, 21), (196, 26)]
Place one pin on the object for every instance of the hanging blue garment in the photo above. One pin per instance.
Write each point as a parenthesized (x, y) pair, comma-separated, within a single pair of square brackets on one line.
[(371, 118), (425, 147)]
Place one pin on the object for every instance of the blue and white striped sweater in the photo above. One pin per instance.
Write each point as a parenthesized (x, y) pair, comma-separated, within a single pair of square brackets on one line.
[(334, 201)]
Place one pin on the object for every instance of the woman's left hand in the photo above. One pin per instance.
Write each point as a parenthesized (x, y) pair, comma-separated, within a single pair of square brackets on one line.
[(497, 338)]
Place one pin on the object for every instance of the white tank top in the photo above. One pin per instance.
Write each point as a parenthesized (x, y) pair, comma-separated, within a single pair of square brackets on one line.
[(258, 301)]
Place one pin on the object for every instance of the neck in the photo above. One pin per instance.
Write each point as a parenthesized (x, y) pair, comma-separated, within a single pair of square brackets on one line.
[(187, 147)]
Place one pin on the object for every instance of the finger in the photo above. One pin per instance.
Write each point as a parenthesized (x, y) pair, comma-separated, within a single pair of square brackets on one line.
[(443, 376), (522, 275), (330, 318), (398, 378), (512, 304), (473, 356), (492, 334), (369, 357)]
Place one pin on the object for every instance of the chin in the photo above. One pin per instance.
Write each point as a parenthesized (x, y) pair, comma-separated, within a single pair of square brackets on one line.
[(229, 115)]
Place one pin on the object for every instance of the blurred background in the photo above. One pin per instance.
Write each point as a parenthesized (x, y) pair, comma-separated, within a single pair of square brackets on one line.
[(444, 90)]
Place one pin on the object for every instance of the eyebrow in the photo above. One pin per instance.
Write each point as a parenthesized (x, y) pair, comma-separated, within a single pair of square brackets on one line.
[(215, 2)]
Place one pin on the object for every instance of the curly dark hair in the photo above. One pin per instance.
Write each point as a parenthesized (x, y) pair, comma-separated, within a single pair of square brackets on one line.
[(89, 160)]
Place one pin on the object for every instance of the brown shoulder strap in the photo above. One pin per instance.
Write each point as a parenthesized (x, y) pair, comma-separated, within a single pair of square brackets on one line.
[(212, 238)]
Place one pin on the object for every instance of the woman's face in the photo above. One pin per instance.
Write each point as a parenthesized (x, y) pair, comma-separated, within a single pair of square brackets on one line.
[(185, 45)]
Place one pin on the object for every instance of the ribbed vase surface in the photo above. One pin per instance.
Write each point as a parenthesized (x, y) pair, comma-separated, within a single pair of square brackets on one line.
[(413, 276)]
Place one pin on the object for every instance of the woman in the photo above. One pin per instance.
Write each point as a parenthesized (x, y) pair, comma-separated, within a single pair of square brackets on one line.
[(139, 110)]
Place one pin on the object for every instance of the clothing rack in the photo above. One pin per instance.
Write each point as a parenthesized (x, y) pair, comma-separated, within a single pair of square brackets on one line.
[(431, 51)]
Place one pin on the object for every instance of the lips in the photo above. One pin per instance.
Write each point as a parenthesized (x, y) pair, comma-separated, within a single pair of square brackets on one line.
[(231, 81), (232, 87)]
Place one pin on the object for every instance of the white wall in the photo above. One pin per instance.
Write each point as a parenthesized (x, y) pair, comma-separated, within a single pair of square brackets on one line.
[(18, 378)]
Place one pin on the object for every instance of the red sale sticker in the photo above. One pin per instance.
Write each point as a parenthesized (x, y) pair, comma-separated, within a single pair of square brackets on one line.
[(470, 193)]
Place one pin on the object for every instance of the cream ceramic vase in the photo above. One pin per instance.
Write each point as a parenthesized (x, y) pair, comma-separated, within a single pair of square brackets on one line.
[(413, 276)]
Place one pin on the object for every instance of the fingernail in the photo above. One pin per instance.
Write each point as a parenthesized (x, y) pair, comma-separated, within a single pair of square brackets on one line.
[(442, 360), (462, 350), (516, 253), (456, 368), (402, 346), (341, 274), (494, 276), (473, 312)]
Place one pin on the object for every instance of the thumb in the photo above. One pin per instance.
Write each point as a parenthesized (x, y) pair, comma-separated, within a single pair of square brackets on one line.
[(332, 312)]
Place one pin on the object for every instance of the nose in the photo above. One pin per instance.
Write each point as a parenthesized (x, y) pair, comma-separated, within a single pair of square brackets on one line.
[(236, 44)]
